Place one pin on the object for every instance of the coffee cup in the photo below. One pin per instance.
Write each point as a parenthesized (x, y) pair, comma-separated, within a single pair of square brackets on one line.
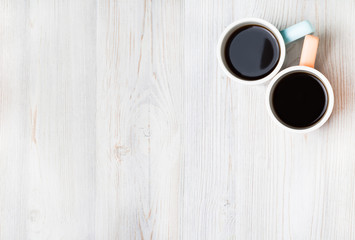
[(252, 51), (300, 98)]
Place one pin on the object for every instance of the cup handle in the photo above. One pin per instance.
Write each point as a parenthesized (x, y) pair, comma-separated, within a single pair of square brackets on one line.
[(297, 31), (309, 51)]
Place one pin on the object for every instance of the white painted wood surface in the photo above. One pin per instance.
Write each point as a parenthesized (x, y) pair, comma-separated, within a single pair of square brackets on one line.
[(116, 123)]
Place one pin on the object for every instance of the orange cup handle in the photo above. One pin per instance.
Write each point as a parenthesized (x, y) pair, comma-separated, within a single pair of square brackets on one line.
[(309, 51)]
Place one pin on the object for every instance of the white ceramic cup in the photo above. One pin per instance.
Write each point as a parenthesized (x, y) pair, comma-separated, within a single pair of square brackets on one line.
[(308, 57), (287, 35)]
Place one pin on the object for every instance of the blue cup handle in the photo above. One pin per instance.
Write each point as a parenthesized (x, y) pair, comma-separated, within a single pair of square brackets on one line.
[(297, 31)]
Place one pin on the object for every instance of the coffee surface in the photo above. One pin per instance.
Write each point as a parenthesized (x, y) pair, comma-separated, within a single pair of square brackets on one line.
[(252, 52), (299, 100)]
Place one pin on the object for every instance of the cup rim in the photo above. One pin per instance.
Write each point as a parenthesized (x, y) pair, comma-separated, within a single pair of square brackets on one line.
[(326, 84), (240, 23)]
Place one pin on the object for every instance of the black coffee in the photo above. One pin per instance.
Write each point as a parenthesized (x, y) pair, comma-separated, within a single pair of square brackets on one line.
[(299, 100), (252, 52)]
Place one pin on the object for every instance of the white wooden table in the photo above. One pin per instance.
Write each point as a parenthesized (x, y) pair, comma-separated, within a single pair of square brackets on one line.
[(116, 123)]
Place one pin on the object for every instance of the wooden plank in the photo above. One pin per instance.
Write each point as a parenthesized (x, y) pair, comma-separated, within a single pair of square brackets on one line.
[(48, 79), (61, 58), (138, 117), (15, 125), (208, 194)]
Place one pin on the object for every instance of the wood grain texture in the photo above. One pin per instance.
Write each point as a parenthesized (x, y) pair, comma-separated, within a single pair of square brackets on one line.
[(48, 85), (139, 106), (116, 123)]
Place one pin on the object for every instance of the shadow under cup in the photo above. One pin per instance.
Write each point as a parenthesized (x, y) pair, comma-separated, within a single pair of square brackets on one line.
[(299, 100), (251, 52)]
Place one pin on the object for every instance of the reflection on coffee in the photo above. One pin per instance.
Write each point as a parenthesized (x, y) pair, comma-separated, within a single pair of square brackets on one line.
[(299, 100), (252, 52)]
